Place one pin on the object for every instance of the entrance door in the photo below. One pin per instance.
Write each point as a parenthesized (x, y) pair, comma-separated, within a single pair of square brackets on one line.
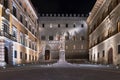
[(47, 54), (110, 56), (6, 55)]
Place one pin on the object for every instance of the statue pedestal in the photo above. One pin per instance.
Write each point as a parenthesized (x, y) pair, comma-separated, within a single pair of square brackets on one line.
[(2, 63), (62, 56)]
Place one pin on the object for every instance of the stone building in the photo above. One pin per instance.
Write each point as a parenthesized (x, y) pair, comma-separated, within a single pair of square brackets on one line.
[(104, 32), (72, 27), (18, 32)]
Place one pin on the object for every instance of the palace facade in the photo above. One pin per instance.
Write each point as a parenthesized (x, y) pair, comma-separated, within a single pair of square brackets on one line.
[(104, 32), (19, 42), (72, 28)]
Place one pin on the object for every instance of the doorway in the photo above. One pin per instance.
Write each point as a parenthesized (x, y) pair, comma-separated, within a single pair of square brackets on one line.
[(110, 56), (6, 55), (47, 54)]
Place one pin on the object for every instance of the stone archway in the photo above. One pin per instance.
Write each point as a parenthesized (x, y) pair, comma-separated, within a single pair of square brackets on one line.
[(6, 55), (110, 56)]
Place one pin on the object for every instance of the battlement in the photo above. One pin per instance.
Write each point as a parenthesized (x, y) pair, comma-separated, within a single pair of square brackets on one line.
[(63, 15)]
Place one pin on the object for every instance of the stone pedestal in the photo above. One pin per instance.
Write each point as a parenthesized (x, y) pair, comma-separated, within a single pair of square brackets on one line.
[(62, 56), (2, 63)]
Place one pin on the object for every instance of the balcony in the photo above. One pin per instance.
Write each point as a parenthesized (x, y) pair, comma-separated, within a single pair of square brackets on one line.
[(7, 35)]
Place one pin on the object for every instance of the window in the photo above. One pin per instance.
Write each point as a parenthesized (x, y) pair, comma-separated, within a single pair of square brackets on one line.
[(14, 30), (29, 57), (66, 25), (50, 37), (82, 25), (30, 27), (14, 11), (25, 56), (26, 23), (103, 53), (6, 28), (98, 55), (22, 38), (21, 18), (43, 38), (74, 25), (6, 3), (20, 55), (30, 44), (43, 25), (20, 3), (15, 54), (58, 25), (118, 49)]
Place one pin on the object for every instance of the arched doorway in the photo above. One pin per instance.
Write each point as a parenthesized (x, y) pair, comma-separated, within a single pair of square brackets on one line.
[(6, 55), (110, 56), (47, 54)]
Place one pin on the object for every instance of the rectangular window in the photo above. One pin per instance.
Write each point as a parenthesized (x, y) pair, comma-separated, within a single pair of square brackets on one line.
[(74, 25), (26, 23), (14, 11), (43, 38), (6, 3), (14, 30), (82, 25), (21, 18), (58, 25), (98, 55), (6, 28), (51, 38), (15, 54), (118, 49), (25, 56), (20, 55), (43, 25), (103, 53), (66, 25), (29, 57)]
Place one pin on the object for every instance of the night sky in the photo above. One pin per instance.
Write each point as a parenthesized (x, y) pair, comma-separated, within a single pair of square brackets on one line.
[(63, 6)]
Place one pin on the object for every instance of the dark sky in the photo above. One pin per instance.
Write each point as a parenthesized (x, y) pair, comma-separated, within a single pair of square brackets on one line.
[(64, 6)]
